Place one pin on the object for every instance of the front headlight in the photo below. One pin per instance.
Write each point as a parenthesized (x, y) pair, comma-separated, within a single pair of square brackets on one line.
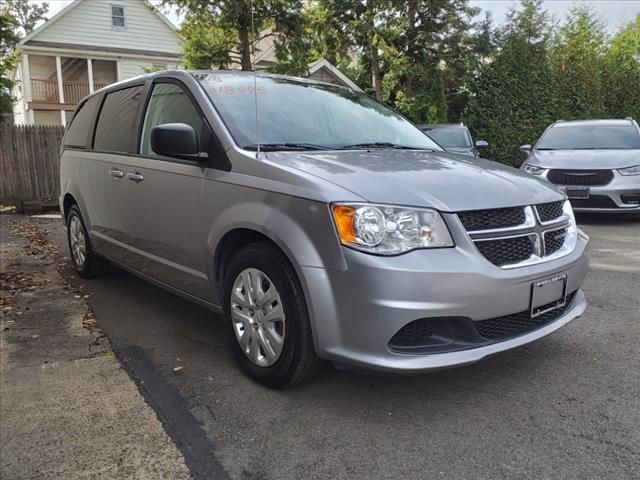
[(389, 230), (635, 170), (572, 230), (533, 169)]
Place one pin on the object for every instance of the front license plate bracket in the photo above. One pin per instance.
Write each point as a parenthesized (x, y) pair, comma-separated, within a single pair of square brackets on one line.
[(541, 290), (578, 193)]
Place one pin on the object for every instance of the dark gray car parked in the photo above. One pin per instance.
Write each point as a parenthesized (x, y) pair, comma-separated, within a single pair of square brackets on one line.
[(320, 223), (454, 137), (597, 162)]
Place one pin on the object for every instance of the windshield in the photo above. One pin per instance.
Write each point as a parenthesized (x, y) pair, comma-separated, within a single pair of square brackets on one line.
[(590, 137), (295, 114), (451, 137)]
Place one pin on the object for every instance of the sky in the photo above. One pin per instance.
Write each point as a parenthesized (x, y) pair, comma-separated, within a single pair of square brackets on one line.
[(613, 13)]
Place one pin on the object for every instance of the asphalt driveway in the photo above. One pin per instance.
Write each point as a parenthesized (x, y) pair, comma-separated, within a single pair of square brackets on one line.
[(565, 407)]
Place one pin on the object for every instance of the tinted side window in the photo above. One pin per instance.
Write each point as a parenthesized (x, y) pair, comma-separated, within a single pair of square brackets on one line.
[(116, 130), (78, 132), (169, 103)]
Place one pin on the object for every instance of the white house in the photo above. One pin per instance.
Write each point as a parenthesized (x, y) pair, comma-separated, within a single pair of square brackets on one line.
[(87, 45)]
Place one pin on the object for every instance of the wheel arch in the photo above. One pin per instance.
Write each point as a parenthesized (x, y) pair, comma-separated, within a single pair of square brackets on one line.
[(72, 196), (232, 242), (255, 221), (67, 202)]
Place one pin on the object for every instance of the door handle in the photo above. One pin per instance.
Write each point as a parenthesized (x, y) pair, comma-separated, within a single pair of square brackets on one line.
[(135, 177), (115, 173)]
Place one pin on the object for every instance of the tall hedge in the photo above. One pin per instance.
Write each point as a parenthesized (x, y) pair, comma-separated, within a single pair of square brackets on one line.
[(539, 74)]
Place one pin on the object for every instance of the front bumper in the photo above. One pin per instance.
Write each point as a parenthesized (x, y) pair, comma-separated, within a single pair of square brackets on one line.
[(355, 313), (612, 193)]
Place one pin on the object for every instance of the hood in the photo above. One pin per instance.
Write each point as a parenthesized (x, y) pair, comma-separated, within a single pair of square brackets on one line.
[(585, 159), (445, 181)]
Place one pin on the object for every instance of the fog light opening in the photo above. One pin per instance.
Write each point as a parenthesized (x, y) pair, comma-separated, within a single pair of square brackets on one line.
[(631, 199)]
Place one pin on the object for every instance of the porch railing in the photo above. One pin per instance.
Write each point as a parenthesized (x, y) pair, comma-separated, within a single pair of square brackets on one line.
[(46, 91)]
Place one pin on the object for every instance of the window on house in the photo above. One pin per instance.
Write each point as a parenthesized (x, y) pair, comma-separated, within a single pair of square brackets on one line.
[(117, 16)]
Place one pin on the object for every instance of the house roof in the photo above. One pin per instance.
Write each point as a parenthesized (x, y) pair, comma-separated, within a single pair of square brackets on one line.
[(73, 5), (323, 63)]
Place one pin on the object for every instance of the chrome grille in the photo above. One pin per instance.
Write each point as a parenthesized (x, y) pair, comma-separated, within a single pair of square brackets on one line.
[(547, 212), (507, 251), (528, 241), (580, 177), (492, 219), (553, 240)]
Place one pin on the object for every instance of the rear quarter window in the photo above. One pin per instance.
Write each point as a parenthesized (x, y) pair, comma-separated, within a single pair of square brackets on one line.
[(78, 134), (116, 130)]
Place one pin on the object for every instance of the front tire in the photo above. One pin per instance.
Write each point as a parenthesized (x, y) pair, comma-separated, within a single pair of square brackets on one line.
[(84, 260), (267, 319)]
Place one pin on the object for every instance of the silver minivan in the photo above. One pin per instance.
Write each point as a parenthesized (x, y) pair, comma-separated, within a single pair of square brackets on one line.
[(321, 224)]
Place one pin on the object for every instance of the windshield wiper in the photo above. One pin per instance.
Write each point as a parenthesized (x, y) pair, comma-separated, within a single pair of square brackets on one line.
[(546, 148), (379, 145), (274, 147)]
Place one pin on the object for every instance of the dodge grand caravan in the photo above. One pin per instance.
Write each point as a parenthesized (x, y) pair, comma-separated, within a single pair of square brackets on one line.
[(322, 225)]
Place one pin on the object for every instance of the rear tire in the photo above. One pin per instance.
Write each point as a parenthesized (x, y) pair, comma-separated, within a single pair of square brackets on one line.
[(266, 318), (84, 260)]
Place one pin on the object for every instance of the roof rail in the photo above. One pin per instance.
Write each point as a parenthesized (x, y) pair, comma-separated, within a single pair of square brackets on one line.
[(629, 118), (560, 120)]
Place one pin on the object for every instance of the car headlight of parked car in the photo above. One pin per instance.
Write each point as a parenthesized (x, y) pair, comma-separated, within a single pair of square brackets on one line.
[(635, 170), (533, 169), (389, 230)]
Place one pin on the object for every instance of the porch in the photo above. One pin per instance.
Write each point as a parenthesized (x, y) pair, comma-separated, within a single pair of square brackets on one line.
[(48, 91), (55, 84)]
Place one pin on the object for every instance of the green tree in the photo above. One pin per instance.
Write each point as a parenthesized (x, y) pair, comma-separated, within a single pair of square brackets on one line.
[(429, 43), (206, 44), (512, 99), (622, 72), (17, 19), (437, 100), (484, 40), (26, 15), (327, 38), (220, 31), (578, 56), (356, 25), (8, 60)]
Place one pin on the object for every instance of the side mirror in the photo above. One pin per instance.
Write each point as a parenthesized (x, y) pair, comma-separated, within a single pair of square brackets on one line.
[(525, 150), (177, 140), (482, 144)]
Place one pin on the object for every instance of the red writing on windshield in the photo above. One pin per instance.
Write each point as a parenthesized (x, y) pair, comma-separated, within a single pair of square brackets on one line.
[(229, 90)]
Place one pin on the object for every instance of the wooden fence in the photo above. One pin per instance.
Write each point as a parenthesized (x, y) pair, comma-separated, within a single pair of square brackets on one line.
[(29, 163)]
